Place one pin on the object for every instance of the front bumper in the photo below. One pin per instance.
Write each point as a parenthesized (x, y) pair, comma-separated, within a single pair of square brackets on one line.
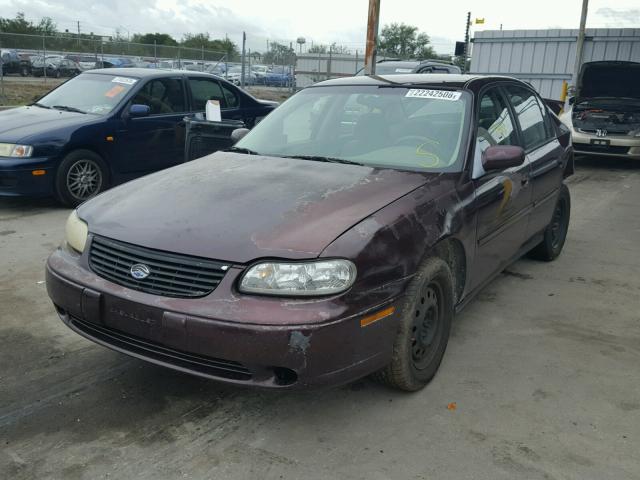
[(198, 335), (17, 178), (622, 146)]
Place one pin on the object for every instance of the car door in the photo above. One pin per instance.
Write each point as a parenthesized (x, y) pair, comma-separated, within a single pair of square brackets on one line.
[(544, 153), (156, 141), (503, 197), (204, 89)]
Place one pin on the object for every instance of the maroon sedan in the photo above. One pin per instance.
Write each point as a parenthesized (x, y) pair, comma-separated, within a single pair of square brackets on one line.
[(335, 240)]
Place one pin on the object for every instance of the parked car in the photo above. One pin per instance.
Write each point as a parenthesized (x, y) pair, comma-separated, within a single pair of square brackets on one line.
[(400, 67), (106, 126), (259, 74), (114, 62), (85, 62), (604, 115), (13, 63), (322, 249), (279, 76), (56, 67)]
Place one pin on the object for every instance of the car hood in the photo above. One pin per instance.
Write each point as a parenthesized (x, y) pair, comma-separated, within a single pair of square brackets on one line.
[(238, 208), (18, 124), (609, 79)]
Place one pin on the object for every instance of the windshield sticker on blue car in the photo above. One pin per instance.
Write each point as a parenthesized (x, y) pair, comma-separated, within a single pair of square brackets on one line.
[(434, 94), (124, 80)]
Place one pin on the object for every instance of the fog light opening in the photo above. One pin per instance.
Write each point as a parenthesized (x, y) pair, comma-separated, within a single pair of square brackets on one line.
[(285, 376)]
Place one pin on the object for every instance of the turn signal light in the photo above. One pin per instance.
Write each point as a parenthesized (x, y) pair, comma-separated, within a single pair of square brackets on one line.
[(387, 312), (37, 173)]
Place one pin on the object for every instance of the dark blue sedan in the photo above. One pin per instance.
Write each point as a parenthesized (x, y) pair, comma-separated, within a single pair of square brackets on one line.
[(107, 126)]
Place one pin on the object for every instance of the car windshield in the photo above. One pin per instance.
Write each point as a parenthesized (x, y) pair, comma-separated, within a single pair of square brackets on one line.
[(90, 93), (395, 127)]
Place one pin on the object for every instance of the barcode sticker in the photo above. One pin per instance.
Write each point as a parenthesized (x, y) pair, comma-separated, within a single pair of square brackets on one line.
[(124, 80), (434, 94)]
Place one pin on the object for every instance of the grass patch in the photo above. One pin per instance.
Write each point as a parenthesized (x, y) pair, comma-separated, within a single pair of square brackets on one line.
[(21, 93)]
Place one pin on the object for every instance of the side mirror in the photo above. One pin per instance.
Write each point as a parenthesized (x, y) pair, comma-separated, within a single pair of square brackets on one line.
[(137, 110), (500, 157), (238, 134)]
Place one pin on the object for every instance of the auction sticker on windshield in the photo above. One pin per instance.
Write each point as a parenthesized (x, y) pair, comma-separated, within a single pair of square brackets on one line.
[(435, 94), (124, 80)]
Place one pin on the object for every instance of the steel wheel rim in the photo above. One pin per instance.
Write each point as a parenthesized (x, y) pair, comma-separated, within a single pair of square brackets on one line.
[(427, 326), (558, 225), (84, 179)]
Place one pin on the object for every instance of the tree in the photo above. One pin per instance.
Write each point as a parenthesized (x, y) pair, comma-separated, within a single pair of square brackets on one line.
[(402, 40), (203, 40), (19, 24), (158, 38), (318, 48), (280, 54), (47, 26)]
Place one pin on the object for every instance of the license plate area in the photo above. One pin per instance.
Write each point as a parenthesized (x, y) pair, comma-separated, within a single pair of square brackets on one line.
[(130, 317)]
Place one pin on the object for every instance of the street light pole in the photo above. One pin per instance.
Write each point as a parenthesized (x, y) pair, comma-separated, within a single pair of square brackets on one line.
[(372, 37)]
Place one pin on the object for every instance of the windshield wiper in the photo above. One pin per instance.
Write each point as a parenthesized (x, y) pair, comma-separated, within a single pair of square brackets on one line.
[(318, 158), (68, 109), (241, 150), (36, 104)]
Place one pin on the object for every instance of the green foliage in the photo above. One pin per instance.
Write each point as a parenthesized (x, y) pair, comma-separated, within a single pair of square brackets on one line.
[(333, 48), (404, 41), (279, 54), (157, 38), (20, 24), (203, 40)]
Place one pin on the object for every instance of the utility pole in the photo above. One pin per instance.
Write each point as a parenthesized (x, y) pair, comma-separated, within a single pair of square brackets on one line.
[(580, 41), (372, 37), (467, 39), (244, 42), (78, 33)]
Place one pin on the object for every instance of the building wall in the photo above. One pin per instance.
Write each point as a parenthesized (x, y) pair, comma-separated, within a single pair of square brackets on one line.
[(546, 58)]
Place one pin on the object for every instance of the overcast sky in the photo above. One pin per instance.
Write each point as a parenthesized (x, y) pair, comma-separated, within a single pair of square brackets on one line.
[(325, 21)]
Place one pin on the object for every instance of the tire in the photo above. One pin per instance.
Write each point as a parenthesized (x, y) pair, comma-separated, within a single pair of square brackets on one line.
[(24, 72), (423, 332), (556, 232), (82, 174), (57, 74)]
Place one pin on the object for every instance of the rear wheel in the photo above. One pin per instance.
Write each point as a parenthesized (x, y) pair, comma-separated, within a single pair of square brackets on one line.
[(81, 175), (556, 232), (423, 332)]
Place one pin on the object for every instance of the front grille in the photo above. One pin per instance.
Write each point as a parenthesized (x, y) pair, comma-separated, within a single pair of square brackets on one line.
[(609, 131), (585, 147), (207, 365), (171, 275)]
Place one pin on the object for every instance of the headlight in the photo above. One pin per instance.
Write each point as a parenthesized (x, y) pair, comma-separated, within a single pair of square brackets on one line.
[(322, 277), (14, 150), (76, 232)]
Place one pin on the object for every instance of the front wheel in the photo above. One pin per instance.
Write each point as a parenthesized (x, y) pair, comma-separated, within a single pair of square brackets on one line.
[(81, 175), (556, 232), (423, 332)]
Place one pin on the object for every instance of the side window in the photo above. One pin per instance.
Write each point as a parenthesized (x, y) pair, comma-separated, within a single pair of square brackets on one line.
[(495, 126), (162, 95), (525, 103), (230, 97), (203, 90)]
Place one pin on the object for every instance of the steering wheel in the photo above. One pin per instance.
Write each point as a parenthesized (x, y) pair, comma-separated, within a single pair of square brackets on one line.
[(428, 149)]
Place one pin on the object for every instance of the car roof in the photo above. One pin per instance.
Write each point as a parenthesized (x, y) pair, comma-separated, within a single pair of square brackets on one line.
[(145, 72), (430, 79)]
